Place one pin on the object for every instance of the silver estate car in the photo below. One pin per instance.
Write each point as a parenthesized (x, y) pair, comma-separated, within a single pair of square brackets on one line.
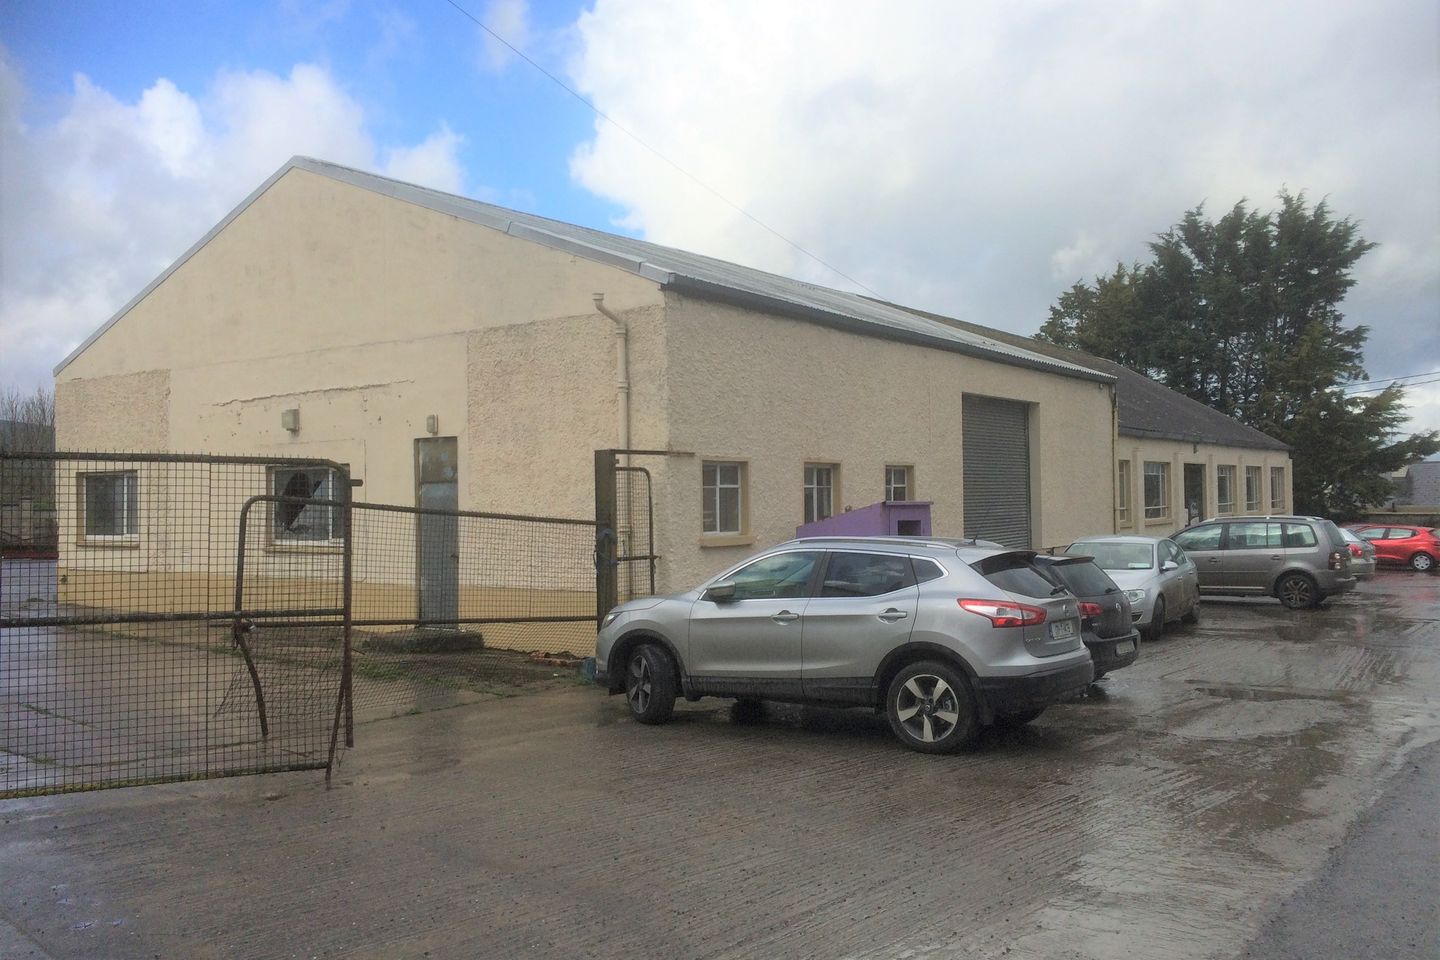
[(944, 636), (1160, 581)]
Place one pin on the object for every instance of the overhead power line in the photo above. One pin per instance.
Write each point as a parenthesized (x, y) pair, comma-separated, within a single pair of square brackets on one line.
[(635, 137), (1434, 377), (1389, 380)]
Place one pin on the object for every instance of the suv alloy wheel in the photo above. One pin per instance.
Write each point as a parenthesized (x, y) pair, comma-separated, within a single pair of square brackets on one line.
[(930, 708)]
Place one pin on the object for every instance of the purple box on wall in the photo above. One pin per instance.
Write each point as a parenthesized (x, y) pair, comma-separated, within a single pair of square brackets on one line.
[(888, 518)]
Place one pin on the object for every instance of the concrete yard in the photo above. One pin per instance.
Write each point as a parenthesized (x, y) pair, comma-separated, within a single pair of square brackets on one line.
[(1169, 814)]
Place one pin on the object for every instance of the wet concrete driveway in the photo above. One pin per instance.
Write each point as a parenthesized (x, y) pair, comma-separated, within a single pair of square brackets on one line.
[(1167, 815)]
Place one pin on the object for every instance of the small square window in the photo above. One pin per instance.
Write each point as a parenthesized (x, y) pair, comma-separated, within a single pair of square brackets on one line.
[(110, 504), (899, 483), (722, 488), (292, 522)]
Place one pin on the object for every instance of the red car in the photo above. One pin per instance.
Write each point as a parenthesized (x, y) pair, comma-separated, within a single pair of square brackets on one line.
[(1403, 543)]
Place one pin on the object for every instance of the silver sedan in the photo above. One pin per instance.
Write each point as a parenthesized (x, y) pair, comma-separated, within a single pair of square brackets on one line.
[(1160, 582)]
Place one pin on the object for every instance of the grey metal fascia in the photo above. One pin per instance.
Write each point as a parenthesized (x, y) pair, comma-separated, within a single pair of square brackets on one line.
[(710, 290), (1145, 433), (589, 251)]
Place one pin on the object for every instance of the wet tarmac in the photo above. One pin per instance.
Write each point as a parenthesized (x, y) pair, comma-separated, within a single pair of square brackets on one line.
[(1168, 814)]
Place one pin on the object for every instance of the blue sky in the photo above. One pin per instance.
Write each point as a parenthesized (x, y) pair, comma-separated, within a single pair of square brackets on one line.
[(975, 159)]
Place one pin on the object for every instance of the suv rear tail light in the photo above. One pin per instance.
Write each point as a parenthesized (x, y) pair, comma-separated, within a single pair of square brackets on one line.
[(1337, 560), (1002, 614), (1355, 550), (1088, 609)]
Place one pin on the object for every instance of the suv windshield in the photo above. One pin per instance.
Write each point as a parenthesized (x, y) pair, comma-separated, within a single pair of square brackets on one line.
[(1116, 556)]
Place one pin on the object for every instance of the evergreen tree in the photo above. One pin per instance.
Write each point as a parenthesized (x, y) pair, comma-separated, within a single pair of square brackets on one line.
[(1243, 314)]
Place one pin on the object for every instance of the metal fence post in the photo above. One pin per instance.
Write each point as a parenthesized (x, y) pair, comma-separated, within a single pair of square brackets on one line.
[(606, 582)]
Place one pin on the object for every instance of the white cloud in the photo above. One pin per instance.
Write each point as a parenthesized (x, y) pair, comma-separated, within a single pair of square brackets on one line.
[(509, 19), (433, 162), (979, 158), (100, 200)]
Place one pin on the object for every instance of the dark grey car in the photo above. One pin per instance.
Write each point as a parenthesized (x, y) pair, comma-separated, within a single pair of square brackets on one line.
[(1106, 624), (1300, 560), (943, 636)]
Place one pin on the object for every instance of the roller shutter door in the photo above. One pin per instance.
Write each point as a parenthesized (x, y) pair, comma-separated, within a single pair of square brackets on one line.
[(997, 470)]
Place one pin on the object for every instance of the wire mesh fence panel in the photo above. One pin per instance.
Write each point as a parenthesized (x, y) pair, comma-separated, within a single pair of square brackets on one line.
[(451, 606), (127, 655), (634, 534)]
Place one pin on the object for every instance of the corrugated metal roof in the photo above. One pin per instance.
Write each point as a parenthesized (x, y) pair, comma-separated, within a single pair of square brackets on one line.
[(677, 270)]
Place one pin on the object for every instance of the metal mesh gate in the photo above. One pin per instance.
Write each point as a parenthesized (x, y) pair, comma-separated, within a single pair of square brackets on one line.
[(625, 529), (146, 644)]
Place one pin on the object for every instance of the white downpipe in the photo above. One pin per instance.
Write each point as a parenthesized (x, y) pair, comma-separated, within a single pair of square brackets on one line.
[(622, 370)]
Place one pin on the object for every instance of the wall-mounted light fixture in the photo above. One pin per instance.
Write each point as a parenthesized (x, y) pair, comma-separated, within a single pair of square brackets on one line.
[(290, 419), (432, 424)]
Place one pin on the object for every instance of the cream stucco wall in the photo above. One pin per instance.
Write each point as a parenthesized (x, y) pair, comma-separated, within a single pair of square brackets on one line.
[(779, 393), (1177, 454), (367, 314)]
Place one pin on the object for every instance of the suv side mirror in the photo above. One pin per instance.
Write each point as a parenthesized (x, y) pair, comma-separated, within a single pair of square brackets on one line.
[(1169, 565), (720, 592)]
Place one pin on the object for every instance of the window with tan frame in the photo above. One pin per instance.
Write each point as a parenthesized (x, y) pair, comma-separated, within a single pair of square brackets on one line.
[(821, 480), (1225, 489), (899, 483), (1252, 489), (1157, 490), (1122, 492), (1277, 489), (723, 497)]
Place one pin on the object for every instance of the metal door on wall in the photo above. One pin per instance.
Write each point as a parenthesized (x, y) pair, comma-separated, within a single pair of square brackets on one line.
[(996, 448), (437, 535), (1194, 493)]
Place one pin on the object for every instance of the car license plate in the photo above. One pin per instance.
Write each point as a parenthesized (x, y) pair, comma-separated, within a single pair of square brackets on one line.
[(1125, 646), (1062, 629)]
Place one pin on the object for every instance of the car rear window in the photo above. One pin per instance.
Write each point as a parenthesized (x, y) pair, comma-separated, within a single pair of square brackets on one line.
[(1333, 533), (1300, 535), (1116, 556), (1083, 578), (1014, 573)]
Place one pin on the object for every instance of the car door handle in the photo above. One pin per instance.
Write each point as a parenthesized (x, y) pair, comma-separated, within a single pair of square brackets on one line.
[(1276, 556), (785, 616), (891, 615), (1214, 559)]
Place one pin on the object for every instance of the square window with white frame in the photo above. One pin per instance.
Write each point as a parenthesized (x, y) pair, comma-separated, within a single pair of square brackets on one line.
[(899, 483), (110, 504), (292, 522), (722, 487), (819, 491)]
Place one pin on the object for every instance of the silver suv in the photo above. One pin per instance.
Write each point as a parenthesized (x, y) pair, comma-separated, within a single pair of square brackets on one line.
[(943, 635), (1301, 560)]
